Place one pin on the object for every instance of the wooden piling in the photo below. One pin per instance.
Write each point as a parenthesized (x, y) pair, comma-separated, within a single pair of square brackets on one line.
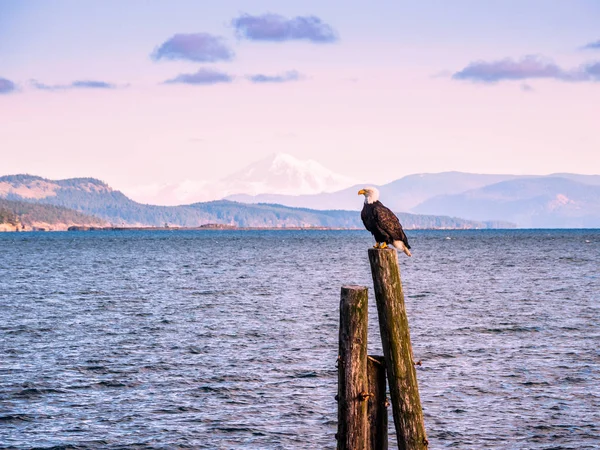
[(353, 391), (377, 407), (397, 350)]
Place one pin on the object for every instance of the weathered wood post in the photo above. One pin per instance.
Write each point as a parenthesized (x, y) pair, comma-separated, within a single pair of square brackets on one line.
[(377, 408), (352, 370), (397, 350)]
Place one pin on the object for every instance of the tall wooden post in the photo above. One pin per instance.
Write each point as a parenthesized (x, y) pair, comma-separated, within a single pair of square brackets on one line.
[(397, 350), (377, 409), (353, 390)]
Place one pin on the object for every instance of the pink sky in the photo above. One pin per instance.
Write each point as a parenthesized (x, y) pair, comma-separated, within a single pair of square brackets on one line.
[(376, 104)]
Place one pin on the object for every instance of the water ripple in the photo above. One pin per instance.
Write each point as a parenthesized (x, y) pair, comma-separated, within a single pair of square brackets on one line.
[(225, 339)]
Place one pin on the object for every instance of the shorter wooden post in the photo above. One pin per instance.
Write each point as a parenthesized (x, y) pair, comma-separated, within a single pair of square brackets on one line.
[(352, 370), (397, 349), (377, 409)]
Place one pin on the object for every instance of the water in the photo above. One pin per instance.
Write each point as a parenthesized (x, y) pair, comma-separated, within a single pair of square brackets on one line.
[(226, 339)]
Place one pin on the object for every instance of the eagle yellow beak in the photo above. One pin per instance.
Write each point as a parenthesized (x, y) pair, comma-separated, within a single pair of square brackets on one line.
[(362, 192)]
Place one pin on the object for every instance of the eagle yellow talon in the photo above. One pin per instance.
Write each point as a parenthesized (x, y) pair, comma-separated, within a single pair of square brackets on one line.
[(383, 245), (376, 245)]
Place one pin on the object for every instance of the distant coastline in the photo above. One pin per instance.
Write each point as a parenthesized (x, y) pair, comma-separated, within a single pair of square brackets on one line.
[(207, 227), (211, 226)]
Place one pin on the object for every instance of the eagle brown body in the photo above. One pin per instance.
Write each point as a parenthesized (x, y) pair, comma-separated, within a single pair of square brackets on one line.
[(382, 222)]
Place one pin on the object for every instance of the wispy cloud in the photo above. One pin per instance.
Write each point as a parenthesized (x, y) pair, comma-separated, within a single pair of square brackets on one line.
[(593, 70), (78, 84), (7, 86), (202, 77), (273, 27), (92, 84), (592, 45), (528, 67), (526, 88), (290, 75), (442, 74), (198, 47), (46, 87), (509, 69)]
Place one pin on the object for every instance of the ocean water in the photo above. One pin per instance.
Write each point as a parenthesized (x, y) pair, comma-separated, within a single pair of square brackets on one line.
[(228, 339)]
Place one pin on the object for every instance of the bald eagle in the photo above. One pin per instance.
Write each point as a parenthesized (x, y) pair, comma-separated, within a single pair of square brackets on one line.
[(382, 222)]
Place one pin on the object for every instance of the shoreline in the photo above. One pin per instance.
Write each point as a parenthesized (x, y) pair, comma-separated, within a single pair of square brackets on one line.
[(201, 228), (216, 228), (234, 228)]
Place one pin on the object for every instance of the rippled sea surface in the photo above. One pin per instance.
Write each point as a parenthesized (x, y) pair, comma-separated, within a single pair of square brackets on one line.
[(228, 339)]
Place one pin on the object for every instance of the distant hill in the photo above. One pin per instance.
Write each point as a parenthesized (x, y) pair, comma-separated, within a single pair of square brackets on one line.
[(400, 195), (405, 193), (25, 215), (544, 202), (585, 179), (561, 200), (269, 215), (8, 217), (93, 197)]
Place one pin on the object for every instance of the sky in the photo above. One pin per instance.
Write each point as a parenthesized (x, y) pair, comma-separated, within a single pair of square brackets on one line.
[(142, 92)]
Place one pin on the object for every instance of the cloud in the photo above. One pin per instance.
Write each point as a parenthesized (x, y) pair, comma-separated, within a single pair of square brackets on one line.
[(592, 45), (593, 70), (7, 86), (36, 84), (273, 27), (290, 75), (526, 87), (203, 76), (509, 69), (78, 84), (198, 47), (442, 74), (92, 84), (528, 67)]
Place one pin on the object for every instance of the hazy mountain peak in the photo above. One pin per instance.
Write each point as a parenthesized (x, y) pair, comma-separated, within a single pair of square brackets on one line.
[(283, 158), (278, 173), (282, 173)]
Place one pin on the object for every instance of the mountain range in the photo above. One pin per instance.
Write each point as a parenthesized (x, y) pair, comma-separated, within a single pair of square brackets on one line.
[(96, 199), (541, 202), (400, 195), (560, 200), (281, 190)]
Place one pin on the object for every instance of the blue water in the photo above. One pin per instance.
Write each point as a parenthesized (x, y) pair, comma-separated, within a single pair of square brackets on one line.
[(228, 339)]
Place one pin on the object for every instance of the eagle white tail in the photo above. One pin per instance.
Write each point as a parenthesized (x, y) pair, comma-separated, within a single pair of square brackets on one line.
[(400, 246)]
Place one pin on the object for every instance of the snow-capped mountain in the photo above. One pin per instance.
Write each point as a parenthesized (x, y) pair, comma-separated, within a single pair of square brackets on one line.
[(277, 174), (285, 174)]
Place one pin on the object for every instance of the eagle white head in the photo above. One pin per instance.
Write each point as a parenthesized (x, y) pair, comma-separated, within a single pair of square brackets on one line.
[(371, 194)]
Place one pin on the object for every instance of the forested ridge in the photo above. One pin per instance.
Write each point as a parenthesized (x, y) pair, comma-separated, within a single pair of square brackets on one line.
[(19, 213), (90, 197)]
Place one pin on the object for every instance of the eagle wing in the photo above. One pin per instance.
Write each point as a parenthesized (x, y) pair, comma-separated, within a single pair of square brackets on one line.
[(367, 218), (387, 221)]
